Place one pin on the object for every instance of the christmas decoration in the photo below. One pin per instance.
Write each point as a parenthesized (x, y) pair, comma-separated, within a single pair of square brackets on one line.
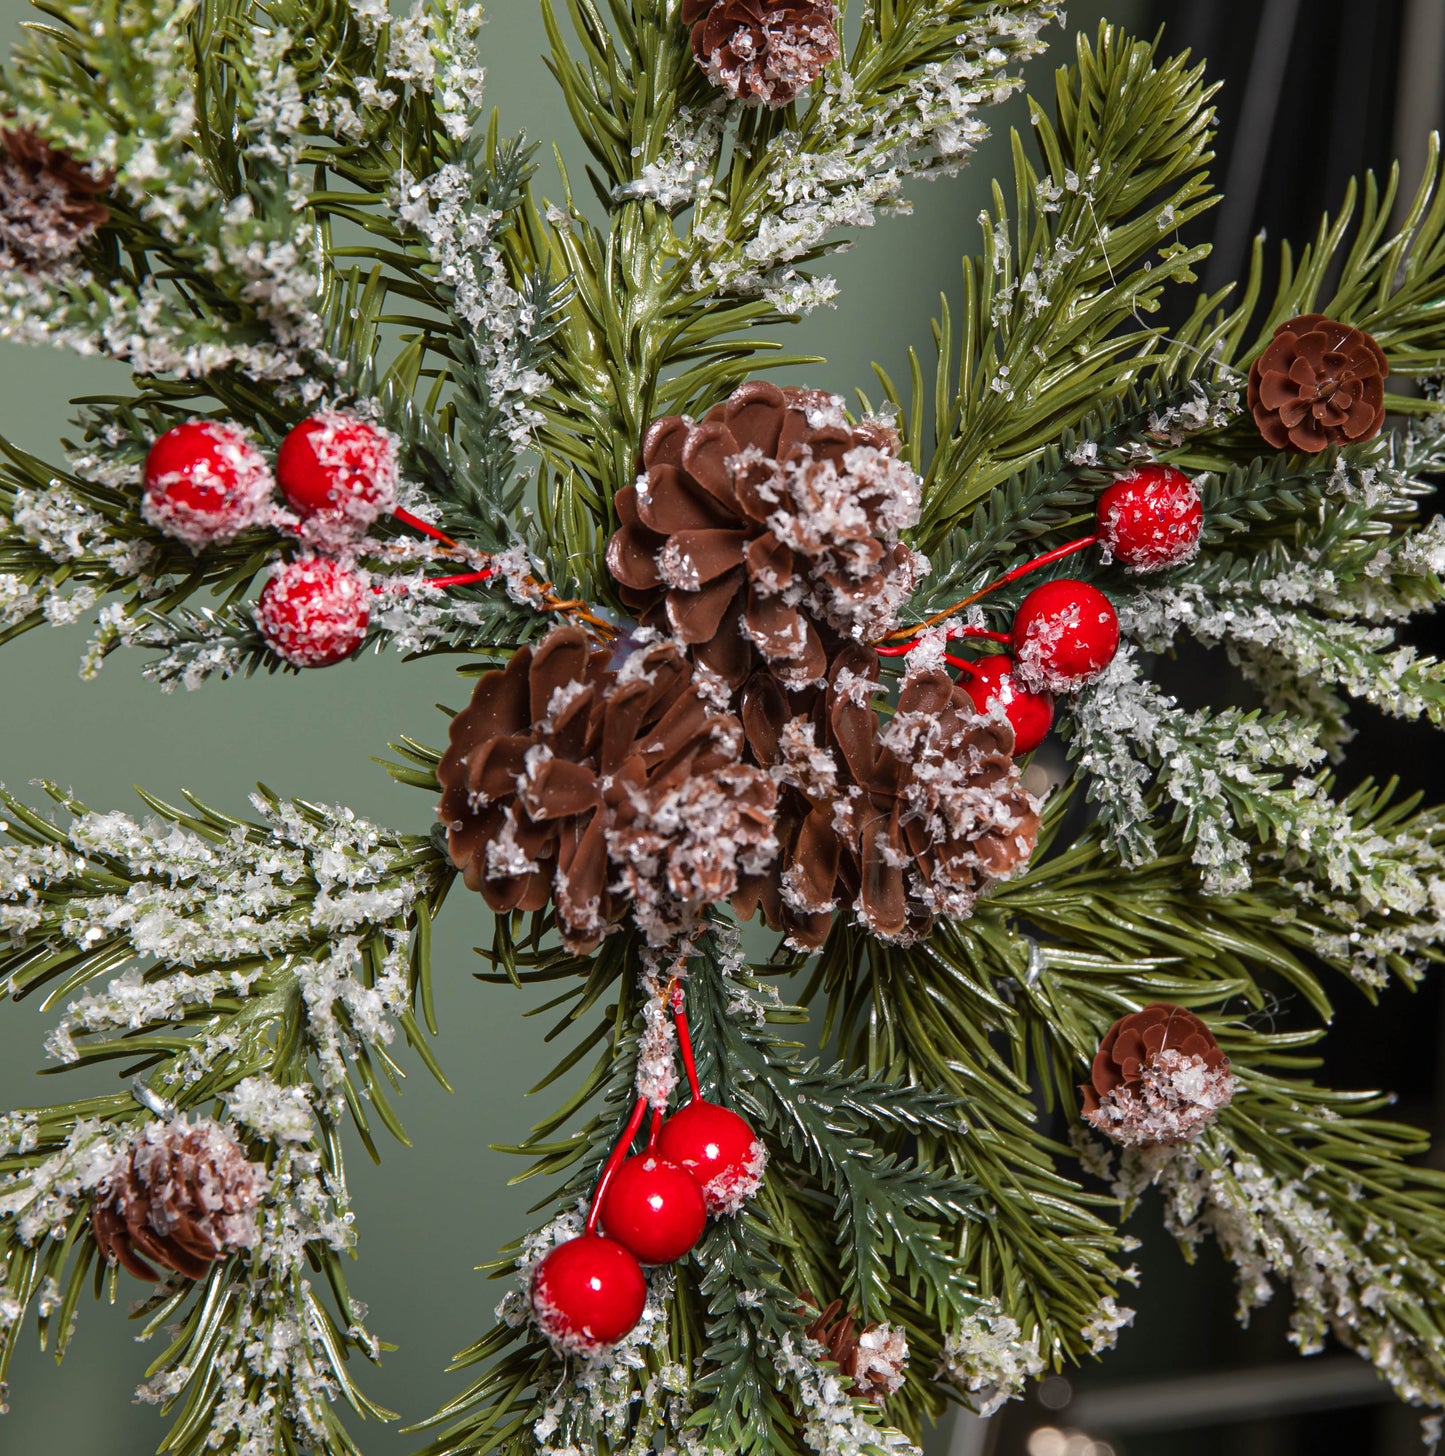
[(1065, 633), (731, 651), (587, 1293), (654, 1209), (1319, 383), (205, 482), (183, 1196), (49, 201), (314, 611), (994, 688), (1151, 519), (767, 51), (338, 473), (1158, 1077)]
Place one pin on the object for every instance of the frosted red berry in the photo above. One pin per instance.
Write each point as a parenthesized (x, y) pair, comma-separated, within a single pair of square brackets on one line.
[(1065, 633), (204, 482), (993, 683), (587, 1293), (1151, 519), (314, 611), (338, 472), (719, 1149), (654, 1209)]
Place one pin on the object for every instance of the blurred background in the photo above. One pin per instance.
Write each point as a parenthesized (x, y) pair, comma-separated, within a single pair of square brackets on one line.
[(1312, 94)]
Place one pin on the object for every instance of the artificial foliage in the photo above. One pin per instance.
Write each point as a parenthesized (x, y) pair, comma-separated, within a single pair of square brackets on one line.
[(299, 224)]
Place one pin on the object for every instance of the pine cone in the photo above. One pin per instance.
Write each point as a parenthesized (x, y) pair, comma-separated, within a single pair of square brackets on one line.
[(768, 531), (1318, 383), (594, 786), (875, 1357), (902, 822), (48, 204), (767, 51), (1158, 1077), (182, 1196)]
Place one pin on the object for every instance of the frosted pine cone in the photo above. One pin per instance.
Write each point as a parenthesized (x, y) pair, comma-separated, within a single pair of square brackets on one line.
[(902, 822), (1318, 383), (768, 530), (767, 51), (875, 1357), (183, 1196), (594, 786), (1159, 1076), (48, 201)]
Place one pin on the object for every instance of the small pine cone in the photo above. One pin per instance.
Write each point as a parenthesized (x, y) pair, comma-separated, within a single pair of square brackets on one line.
[(768, 530), (48, 201), (902, 822), (1159, 1076), (593, 786), (767, 51), (874, 1357), (183, 1196), (1319, 383)]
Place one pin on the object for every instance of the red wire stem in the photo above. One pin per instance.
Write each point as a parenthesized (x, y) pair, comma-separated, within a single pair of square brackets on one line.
[(684, 1042), (466, 578), (624, 1146), (425, 527), (901, 649)]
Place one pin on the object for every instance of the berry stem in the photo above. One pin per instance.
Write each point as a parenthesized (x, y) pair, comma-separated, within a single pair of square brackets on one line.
[(425, 527), (466, 578), (901, 649), (614, 1161), (684, 1041), (655, 1131)]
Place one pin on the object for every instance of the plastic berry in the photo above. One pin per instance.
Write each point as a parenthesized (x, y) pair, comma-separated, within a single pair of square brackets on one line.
[(1151, 519), (587, 1293), (654, 1209), (204, 482), (338, 471), (719, 1149), (993, 684), (1065, 633), (314, 611)]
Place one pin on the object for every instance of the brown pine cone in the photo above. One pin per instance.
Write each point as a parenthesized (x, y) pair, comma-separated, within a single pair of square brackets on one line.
[(902, 821), (48, 205), (874, 1358), (183, 1196), (1319, 383), (768, 530), (767, 51), (596, 786), (1158, 1077)]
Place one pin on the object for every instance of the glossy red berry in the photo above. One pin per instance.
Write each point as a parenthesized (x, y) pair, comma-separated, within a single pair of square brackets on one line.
[(338, 472), (654, 1209), (1151, 519), (719, 1149), (587, 1293), (993, 684), (314, 611), (204, 482), (1065, 633)]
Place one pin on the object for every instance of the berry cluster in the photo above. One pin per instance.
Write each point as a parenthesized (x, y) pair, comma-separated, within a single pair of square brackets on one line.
[(653, 1206), (207, 482)]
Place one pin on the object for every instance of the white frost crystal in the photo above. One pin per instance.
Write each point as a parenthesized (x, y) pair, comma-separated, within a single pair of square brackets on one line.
[(989, 1357)]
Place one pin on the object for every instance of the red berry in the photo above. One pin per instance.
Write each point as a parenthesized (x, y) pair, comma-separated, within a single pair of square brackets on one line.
[(587, 1293), (1065, 634), (338, 471), (314, 611), (204, 482), (719, 1149), (654, 1209), (1152, 518), (992, 685)]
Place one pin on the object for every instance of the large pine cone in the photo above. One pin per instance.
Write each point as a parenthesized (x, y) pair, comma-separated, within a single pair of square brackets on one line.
[(1319, 383), (768, 530), (767, 51), (902, 821), (48, 205), (182, 1196), (596, 786), (1158, 1077)]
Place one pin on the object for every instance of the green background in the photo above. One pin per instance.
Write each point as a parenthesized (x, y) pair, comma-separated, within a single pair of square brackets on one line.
[(432, 1212)]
